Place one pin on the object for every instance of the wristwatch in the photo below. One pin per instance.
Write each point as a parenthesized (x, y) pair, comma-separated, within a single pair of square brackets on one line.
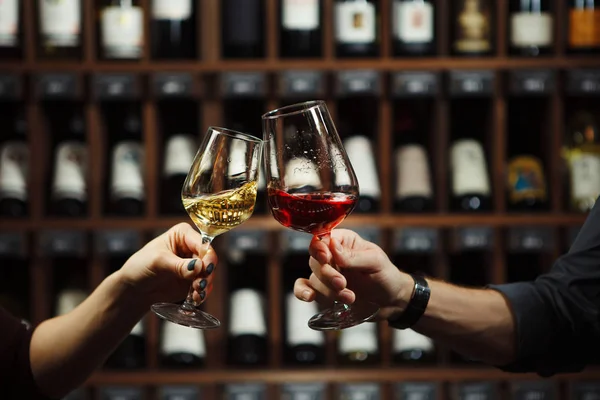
[(416, 306)]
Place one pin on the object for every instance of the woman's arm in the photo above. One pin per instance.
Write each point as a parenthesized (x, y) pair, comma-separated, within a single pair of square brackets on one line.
[(65, 350)]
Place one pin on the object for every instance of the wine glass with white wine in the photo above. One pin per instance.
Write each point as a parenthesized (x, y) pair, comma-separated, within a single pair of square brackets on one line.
[(219, 194)]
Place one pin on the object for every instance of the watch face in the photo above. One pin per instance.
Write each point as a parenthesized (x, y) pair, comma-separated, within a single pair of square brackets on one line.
[(416, 306)]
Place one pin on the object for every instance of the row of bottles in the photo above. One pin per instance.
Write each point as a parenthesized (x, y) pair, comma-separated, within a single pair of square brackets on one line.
[(175, 28), (247, 337), (470, 189)]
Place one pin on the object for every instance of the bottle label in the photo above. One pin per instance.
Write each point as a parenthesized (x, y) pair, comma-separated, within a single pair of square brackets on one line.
[(526, 179), (469, 169), (9, 23), (361, 337), (408, 339), (473, 26), (70, 171), (585, 176), (172, 9), (61, 22), (14, 167), (127, 171), (68, 300), (360, 153), (412, 172), (414, 22), (355, 22), (302, 15), (298, 332), (247, 316), (122, 32), (529, 29), (179, 155), (181, 339), (584, 27)]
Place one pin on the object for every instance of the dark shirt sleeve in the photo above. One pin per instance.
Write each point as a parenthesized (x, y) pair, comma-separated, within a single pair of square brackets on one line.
[(16, 378), (557, 316)]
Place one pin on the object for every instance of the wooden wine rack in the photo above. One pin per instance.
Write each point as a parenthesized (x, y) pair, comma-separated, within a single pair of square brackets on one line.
[(205, 73)]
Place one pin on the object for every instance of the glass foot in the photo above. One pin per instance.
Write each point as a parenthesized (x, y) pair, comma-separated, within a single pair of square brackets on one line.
[(192, 317), (342, 316)]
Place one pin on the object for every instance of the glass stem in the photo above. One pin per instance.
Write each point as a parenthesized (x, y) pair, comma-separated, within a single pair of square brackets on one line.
[(339, 308), (189, 304)]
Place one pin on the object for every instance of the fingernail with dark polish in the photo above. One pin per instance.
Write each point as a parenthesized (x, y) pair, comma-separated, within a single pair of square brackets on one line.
[(210, 268), (203, 283), (202, 295), (192, 264)]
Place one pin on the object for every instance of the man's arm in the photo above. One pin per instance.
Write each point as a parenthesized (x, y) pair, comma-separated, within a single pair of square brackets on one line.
[(546, 326), (477, 323)]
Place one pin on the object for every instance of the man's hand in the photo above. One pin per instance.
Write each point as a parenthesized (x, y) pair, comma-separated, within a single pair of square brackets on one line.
[(163, 270), (365, 272)]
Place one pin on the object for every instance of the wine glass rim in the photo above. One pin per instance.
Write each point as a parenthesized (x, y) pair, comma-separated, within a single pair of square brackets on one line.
[(235, 134), (293, 109)]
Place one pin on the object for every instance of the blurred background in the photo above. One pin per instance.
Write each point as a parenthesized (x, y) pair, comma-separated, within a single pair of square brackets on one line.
[(472, 126)]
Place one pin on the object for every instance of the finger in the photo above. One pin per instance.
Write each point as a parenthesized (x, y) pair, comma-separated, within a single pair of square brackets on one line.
[(327, 275), (319, 250), (200, 296), (303, 291), (211, 260), (367, 260), (184, 268), (189, 239), (346, 296)]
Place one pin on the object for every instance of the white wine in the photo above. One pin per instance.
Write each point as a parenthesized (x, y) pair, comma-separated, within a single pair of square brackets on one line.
[(217, 213)]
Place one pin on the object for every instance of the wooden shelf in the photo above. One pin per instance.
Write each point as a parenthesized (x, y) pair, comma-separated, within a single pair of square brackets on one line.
[(340, 375), (267, 223), (277, 65)]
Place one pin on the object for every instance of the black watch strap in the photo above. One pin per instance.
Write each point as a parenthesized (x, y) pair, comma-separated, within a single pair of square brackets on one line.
[(416, 306)]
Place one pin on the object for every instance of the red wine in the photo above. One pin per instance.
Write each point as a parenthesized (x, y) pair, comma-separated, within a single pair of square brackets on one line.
[(315, 213)]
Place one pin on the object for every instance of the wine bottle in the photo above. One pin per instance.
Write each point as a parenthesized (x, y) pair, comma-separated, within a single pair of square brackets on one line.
[(60, 28), (470, 180), (68, 300), (131, 352), (582, 151), (10, 29), (531, 27), (173, 29), (243, 26), (413, 27), (181, 347), (179, 157), (14, 170), (473, 27), (304, 346), (69, 186), (526, 184), (360, 154), (121, 30), (356, 28), (411, 347), (583, 26), (261, 195), (127, 193), (414, 191), (247, 328), (358, 345), (300, 29)]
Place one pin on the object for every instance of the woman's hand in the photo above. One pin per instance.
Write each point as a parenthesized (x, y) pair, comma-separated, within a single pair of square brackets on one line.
[(163, 269)]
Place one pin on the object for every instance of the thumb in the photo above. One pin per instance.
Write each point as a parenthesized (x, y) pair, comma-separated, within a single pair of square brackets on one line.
[(366, 261), (184, 268)]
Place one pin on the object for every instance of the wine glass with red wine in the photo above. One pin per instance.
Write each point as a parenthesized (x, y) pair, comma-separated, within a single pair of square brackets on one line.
[(311, 187)]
